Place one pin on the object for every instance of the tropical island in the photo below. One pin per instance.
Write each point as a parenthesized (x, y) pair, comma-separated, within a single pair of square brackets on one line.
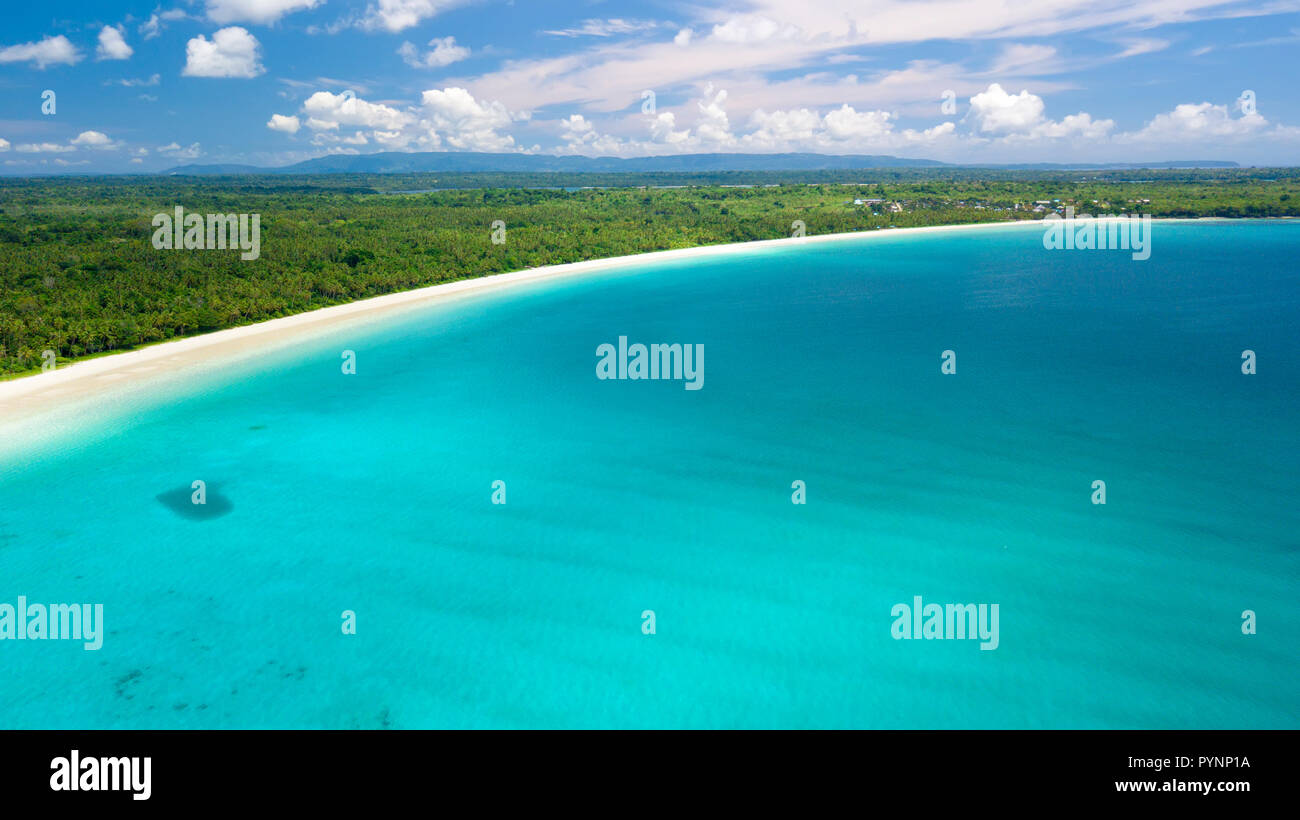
[(79, 276)]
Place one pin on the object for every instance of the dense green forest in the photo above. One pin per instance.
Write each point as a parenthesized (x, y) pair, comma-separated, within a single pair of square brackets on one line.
[(79, 274)]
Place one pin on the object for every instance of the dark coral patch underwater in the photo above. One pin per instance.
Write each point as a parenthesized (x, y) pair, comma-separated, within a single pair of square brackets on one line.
[(180, 501)]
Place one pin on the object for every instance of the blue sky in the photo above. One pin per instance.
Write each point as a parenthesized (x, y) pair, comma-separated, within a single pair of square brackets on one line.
[(142, 87)]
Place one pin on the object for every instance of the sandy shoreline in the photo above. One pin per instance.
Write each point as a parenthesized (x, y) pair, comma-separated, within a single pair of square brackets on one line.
[(81, 382)]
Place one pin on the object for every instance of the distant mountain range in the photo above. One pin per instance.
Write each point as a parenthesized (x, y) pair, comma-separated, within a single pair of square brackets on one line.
[(396, 162)]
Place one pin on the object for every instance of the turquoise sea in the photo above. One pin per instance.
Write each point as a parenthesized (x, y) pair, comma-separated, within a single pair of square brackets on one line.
[(372, 493)]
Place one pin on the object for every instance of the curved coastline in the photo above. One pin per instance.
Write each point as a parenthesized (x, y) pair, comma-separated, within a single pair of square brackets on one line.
[(25, 399), (372, 492)]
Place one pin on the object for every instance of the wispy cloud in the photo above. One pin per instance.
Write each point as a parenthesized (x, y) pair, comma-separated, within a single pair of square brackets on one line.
[(129, 82), (47, 52), (608, 28)]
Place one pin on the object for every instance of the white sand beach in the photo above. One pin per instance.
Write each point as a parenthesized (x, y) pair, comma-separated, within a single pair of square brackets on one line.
[(85, 383)]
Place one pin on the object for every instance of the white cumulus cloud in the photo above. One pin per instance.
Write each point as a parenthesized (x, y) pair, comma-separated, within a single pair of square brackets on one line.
[(49, 51), (996, 112), (279, 122), (112, 46), (94, 139), (845, 123), (331, 110), (1191, 122), (580, 137), (840, 130), (397, 15), (444, 53), (1020, 117), (232, 52), (454, 118)]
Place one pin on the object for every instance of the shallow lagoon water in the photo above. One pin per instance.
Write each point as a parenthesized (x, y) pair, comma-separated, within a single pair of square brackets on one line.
[(372, 493)]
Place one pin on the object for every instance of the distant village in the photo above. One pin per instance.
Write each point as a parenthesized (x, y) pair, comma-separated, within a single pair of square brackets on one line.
[(878, 207)]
